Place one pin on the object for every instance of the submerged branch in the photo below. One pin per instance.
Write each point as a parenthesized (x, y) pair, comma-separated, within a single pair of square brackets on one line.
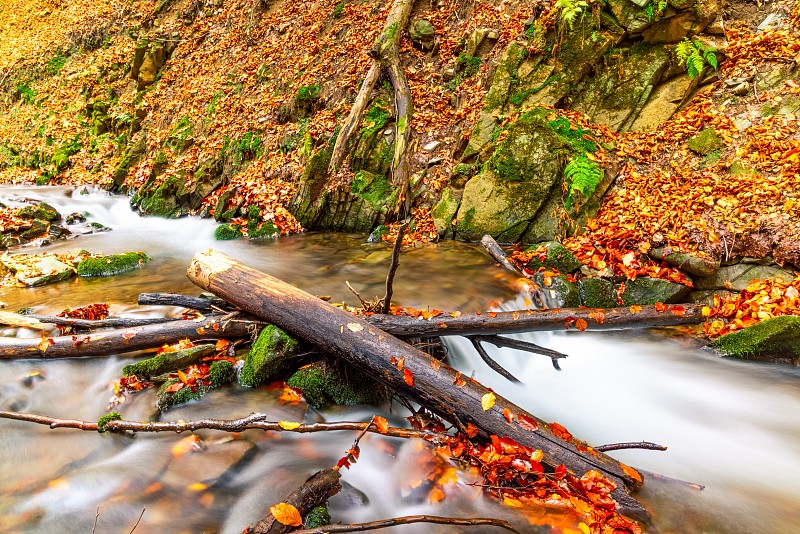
[(409, 519)]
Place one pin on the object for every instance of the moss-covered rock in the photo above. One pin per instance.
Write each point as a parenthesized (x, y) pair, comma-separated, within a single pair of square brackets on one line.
[(39, 210), (374, 189), (220, 373), (597, 293), (554, 256), (262, 231), (168, 361), (167, 199), (111, 265), (323, 383), (646, 290), (517, 180), (776, 338), (618, 92), (444, 211), (268, 357), (226, 232), (557, 291), (705, 141), (38, 270)]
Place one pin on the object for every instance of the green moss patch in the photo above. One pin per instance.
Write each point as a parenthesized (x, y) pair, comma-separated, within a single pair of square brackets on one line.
[(226, 232), (705, 142), (776, 338), (220, 373), (597, 293), (111, 265), (268, 357), (553, 255), (324, 383)]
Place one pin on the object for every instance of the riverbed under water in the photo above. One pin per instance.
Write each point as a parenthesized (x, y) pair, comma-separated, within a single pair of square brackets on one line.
[(730, 426)]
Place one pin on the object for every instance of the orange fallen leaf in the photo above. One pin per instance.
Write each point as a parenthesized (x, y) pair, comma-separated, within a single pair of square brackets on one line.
[(472, 430), (508, 415), (435, 364), (680, 311), (581, 324), (286, 514), (382, 424), (635, 309), (408, 376)]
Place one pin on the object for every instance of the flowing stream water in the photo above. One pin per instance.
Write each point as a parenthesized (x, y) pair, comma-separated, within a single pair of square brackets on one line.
[(730, 426)]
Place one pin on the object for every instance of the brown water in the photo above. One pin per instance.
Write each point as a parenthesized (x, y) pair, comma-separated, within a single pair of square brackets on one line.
[(730, 426)]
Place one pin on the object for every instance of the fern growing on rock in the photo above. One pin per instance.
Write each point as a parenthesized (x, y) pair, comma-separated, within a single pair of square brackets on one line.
[(570, 10), (581, 175), (696, 55)]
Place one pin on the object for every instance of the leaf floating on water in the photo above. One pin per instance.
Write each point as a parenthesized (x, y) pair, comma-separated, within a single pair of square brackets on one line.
[(286, 514), (487, 401)]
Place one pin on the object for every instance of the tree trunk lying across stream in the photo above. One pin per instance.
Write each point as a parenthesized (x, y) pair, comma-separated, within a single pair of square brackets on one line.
[(400, 366)]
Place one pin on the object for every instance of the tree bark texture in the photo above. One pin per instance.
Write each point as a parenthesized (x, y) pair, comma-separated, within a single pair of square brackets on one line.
[(400, 366), (516, 322)]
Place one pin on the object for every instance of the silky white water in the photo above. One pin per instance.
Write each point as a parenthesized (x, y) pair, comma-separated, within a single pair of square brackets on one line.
[(730, 426)]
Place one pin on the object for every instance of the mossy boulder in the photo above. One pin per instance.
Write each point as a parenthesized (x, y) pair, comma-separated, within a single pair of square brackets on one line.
[(557, 291), (317, 517), (111, 265), (167, 199), (705, 142), (444, 211), (422, 33), (324, 383), (597, 293), (736, 277), (262, 230), (554, 256), (618, 92), (269, 356), (374, 189), (220, 373), (226, 232), (518, 179), (40, 210), (38, 270), (774, 339), (645, 290)]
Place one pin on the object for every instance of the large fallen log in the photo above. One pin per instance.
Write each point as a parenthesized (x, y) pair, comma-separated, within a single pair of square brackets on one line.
[(401, 367), (121, 341), (516, 322), (513, 322)]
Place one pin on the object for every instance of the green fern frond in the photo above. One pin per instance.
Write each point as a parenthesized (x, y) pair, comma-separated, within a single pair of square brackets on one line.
[(581, 175), (570, 9)]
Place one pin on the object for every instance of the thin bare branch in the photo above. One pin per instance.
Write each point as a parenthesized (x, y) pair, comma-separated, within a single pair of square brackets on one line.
[(648, 445), (499, 341), (398, 245), (496, 367), (409, 519), (138, 520), (253, 421)]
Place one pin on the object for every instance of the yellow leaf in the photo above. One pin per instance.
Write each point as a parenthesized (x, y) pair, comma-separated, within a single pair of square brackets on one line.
[(584, 528), (354, 327), (182, 376), (706, 311), (487, 401), (513, 503), (197, 486), (286, 514), (288, 425)]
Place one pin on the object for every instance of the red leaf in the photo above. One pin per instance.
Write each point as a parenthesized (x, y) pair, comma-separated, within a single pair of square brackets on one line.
[(472, 430), (508, 415), (561, 471), (680, 311), (560, 431), (527, 422), (408, 376)]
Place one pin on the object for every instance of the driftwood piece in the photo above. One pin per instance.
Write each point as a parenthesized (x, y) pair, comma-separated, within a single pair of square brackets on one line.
[(400, 366), (121, 341), (536, 320), (497, 253), (314, 492)]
